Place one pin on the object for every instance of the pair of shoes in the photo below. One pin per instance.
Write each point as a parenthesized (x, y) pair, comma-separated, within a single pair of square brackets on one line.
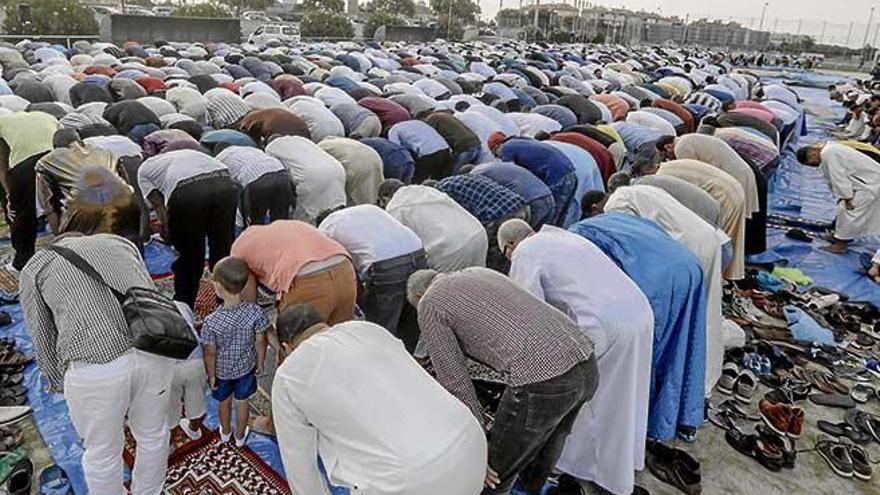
[(755, 447), (846, 460), (783, 444), (740, 384), (846, 430), (782, 418), (862, 393), (239, 442), (674, 467)]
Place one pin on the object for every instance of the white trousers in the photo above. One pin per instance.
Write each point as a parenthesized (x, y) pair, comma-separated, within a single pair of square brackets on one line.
[(188, 384), (99, 396)]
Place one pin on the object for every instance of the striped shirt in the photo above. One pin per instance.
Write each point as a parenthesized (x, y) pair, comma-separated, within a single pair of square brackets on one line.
[(72, 318), (480, 314), (225, 108), (247, 164), (706, 100)]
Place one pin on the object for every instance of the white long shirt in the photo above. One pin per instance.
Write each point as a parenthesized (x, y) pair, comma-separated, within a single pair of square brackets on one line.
[(247, 164), (319, 178), (353, 395), (321, 121), (164, 172), (855, 176), (370, 234), (453, 238), (719, 154), (531, 124)]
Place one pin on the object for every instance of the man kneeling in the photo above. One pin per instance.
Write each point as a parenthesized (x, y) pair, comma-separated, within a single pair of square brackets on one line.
[(353, 395)]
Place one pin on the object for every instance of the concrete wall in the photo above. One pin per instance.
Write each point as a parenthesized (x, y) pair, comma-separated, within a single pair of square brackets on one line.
[(122, 28), (411, 34)]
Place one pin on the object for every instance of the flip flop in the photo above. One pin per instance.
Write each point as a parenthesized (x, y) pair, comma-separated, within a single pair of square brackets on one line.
[(844, 430), (833, 400), (862, 393)]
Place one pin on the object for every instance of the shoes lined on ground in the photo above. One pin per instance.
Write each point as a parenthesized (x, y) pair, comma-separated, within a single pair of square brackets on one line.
[(837, 456), (783, 419), (755, 447), (841, 430), (746, 386)]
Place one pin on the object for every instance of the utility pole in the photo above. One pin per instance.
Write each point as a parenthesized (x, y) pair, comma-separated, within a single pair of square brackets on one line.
[(763, 13), (822, 37), (848, 34), (876, 32), (537, 8), (520, 14), (775, 24), (799, 27), (684, 32), (868, 29)]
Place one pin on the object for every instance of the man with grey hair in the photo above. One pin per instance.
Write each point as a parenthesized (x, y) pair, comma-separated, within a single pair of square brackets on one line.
[(351, 393), (607, 442), (548, 363)]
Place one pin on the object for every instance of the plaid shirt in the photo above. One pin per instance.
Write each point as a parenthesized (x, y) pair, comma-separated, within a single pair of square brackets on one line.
[(232, 331), (484, 198), (481, 314)]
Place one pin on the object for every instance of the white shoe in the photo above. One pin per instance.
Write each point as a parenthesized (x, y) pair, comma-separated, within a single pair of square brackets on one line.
[(12, 271), (239, 442), (13, 414), (192, 434), (224, 437)]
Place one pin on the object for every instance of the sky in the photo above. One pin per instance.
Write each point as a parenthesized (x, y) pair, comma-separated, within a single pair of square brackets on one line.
[(784, 14)]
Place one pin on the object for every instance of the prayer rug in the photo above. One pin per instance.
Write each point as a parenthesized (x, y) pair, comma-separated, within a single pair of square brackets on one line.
[(222, 469), (180, 445)]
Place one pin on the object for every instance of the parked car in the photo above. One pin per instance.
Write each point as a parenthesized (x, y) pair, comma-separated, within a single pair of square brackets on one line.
[(285, 33), (164, 10), (135, 10)]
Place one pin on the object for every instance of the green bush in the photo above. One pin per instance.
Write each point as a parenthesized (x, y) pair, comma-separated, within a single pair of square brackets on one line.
[(51, 17), (322, 24)]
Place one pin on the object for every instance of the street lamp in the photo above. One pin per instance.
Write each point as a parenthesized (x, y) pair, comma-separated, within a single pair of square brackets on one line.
[(763, 14)]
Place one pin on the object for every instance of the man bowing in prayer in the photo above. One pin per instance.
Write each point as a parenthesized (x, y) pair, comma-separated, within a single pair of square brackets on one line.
[(854, 179), (607, 442)]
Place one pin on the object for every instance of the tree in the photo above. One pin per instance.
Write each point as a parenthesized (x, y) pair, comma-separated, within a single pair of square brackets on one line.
[(322, 24), (326, 6), (201, 10), (51, 17), (379, 19), (239, 6), (394, 7), (453, 15)]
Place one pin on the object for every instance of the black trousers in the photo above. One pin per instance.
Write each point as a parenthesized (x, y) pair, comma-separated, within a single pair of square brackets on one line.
[(271, 195), (532, 423), (437, 165), (200, 208), (128, 169), (383, 296), (21, 210), (756, 227)]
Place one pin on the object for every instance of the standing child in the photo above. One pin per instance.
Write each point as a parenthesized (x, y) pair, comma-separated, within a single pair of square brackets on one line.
[(234, 338), (188, 386)]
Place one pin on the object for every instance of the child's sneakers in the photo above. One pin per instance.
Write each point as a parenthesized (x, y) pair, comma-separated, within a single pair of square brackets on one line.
[(192, 434), (239, 442), (224, 437)]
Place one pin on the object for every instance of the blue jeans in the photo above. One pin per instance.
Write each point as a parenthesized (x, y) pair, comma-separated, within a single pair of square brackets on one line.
[(541, 211), (241, 388), (466, 157)]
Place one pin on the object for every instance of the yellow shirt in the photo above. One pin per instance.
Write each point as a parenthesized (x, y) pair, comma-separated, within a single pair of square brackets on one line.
[(27, 134)]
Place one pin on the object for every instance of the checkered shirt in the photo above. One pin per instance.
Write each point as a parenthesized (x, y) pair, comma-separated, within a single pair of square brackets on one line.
[(480, 314), (482, 197), (232, 331)]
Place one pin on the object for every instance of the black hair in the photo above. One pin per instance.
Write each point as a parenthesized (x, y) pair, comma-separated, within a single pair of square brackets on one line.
[(326, 213), (589, 201), (295, 320), (803, 154), (664, 141), (232, 274), (64, 137)]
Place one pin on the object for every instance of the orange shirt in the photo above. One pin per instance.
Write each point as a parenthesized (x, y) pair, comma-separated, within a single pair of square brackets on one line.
[(618, 106), (276, 253)]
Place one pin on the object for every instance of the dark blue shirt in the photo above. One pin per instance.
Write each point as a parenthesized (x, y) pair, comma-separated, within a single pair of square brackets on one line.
[(515, 178), (545, 161), (396, 160)]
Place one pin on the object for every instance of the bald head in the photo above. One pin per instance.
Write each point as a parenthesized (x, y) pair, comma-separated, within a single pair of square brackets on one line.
[(511, 233), (418, 285)]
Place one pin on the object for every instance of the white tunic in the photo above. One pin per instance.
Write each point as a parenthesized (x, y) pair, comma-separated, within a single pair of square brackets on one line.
[(856, 176), (719, 154), (651, 121), (702, 239), (381, 425), (319, 178), (607, 441), (453, 238)]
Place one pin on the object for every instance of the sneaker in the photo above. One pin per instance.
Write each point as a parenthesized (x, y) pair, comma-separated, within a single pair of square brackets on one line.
[(776, 416), (192, 434), (240, 442), (224, 437), (861, 464), (837, 456), (796, 426)]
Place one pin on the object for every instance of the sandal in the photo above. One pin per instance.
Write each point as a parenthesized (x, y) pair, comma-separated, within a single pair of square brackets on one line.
[(9, 357), (844, 430), (862, 393)]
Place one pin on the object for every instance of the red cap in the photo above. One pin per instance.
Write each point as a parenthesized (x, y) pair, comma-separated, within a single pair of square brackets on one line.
[(495, 139)]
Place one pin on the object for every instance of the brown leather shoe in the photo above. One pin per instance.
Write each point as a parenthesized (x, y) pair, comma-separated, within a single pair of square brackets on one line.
[(776, 416), (796, 426)]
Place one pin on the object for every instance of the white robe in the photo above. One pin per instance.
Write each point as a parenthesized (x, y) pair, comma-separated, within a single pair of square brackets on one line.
[(319, 178), (702, 239), (719, 154), (363, 169), (853, 175), (607, 441), (453, 238)]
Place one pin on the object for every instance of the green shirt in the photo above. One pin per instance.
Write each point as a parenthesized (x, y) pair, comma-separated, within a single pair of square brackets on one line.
[(27, 134)]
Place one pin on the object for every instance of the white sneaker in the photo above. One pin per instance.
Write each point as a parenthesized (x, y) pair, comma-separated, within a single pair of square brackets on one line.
[(192, 434), (224, 437), (239, 442)]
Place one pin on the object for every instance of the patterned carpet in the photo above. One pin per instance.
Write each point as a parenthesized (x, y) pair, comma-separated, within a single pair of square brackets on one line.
[(208, 467)]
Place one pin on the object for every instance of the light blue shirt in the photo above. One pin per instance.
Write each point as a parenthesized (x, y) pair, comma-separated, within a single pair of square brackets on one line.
[(417, 137), (588, 175)]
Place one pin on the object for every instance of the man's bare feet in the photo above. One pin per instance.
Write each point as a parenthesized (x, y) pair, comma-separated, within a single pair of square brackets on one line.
[(264, 425), (835, 248)]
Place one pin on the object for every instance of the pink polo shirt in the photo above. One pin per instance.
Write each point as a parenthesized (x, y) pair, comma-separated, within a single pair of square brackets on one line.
[(276, 253)]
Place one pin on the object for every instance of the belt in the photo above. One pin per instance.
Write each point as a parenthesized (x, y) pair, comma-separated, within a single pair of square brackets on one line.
[(410, 259), (198, 178)]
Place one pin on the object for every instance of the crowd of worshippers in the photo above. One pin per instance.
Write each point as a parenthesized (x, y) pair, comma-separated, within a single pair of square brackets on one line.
[(561, 218)]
